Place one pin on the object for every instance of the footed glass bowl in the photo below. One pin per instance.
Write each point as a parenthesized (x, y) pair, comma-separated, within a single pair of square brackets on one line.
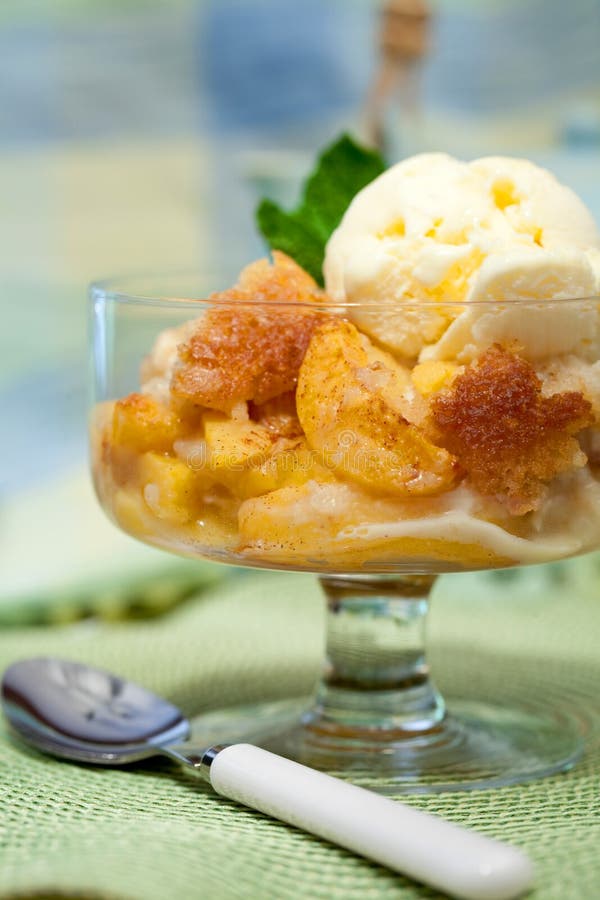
[(259, 431)]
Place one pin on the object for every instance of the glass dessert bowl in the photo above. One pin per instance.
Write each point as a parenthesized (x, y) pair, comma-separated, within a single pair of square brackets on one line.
[(265, 427)]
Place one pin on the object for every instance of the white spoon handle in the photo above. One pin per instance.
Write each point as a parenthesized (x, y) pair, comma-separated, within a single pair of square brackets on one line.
[(425, 847)]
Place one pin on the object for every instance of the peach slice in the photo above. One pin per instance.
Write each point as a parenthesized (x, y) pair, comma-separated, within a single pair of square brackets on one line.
[(349, 401)]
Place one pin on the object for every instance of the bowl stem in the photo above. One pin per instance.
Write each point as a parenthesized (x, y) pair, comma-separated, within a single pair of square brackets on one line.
[(376, 685)]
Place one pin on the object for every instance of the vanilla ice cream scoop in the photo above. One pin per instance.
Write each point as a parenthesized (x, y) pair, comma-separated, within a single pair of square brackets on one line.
[(432, 231)]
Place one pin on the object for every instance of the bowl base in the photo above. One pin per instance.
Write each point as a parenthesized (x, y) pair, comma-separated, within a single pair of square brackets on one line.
[(476, 746)]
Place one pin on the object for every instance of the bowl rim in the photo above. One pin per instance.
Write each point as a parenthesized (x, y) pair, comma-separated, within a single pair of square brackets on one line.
[(122, 290)]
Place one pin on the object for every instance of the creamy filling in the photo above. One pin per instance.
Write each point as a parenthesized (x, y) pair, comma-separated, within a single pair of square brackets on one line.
[(567, 523)]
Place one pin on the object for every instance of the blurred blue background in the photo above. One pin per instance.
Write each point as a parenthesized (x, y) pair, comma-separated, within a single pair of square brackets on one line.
[(138, 135)]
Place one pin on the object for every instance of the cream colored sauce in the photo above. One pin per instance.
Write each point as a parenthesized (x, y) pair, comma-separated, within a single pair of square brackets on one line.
[(567, 523)]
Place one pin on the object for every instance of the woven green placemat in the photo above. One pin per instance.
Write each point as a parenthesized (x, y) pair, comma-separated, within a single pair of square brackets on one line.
[(153, 832)]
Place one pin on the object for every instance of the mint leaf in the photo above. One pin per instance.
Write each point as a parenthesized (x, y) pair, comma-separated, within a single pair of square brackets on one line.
[(342, 170), (294, 234)]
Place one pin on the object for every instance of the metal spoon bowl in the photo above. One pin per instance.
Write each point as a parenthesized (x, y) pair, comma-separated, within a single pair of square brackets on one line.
[(81, 713)]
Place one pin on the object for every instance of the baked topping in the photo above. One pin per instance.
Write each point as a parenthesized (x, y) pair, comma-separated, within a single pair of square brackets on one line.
[(241, 352), (509, 438)]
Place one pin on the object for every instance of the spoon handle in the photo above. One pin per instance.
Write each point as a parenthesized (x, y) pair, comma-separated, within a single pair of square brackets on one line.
[(429, 849)]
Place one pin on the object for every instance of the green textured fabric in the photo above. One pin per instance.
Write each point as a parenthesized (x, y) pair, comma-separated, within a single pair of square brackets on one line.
[(151, 832)]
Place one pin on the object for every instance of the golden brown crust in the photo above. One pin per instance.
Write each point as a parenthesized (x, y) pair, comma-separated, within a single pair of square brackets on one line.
[(510, 439), (243, 353)]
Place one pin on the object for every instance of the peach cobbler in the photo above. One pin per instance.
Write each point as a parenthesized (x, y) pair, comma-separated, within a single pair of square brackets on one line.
[(273, 430)]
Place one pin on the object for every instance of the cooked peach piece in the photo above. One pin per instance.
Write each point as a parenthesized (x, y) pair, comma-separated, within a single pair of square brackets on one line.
[(171, 489), (349, 408), (509, 438), (431, 376), (141, 423), (232, 443), (214, 523), (132, 513), (292, 462), (243, 352)]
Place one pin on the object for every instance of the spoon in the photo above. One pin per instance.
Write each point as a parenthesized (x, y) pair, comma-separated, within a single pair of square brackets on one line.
[(80, 713)]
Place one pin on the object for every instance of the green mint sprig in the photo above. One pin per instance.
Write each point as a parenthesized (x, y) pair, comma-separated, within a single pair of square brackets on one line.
[(342, 170)]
